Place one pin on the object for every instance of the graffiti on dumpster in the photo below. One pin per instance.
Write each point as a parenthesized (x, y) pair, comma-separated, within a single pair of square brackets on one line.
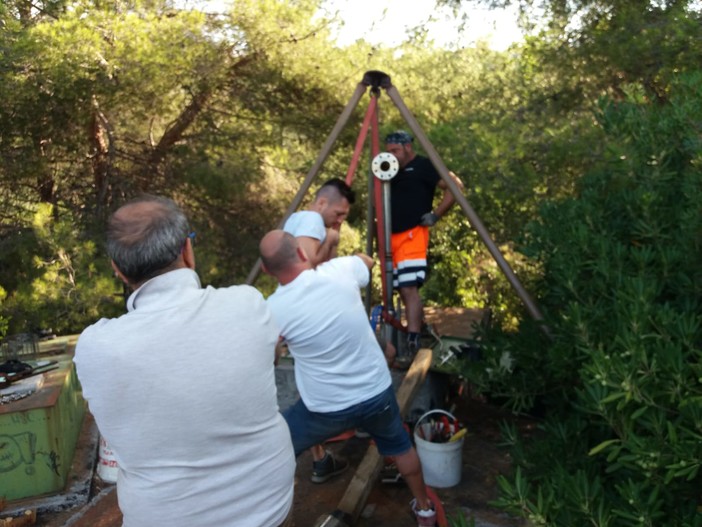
[(16, 450)]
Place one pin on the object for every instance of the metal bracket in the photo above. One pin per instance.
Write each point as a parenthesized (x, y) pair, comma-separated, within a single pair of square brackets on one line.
[(376, 80)]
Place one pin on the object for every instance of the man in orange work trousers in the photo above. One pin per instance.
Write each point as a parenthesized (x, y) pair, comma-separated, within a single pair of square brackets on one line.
[(412, 213)]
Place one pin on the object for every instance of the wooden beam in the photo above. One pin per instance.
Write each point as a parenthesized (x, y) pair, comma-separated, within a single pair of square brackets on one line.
[(354, 499), (414, 379)]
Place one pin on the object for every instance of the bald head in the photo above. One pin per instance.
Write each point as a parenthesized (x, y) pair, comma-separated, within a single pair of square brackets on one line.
[(282, 256), (146, 237), (278, 251)]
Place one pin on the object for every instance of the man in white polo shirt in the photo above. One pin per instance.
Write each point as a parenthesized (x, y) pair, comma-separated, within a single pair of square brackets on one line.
[(182, 386)]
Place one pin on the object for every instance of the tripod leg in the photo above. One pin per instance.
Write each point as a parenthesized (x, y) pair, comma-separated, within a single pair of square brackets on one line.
[(324, 153), (474, 219)]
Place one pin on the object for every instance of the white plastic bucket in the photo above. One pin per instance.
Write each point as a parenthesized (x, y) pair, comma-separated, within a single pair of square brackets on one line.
[(107, 467), (441, 462)]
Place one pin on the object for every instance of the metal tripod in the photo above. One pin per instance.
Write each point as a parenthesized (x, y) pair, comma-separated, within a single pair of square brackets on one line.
[(378, 80)]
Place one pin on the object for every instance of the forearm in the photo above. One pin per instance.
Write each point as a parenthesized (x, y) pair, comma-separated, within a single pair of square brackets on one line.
[(446, 203), (448, 199), (367, 260), (317, 251), (326, 251), (328, 247)]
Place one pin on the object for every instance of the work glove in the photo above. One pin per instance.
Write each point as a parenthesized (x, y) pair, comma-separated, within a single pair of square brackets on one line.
[(429, 219)]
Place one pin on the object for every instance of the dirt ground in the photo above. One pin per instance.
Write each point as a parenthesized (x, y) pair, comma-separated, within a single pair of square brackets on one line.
[(388, 503)]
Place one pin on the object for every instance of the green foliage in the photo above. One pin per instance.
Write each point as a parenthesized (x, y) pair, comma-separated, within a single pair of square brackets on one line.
[(222, 112), (463, 273), (460, 520), (54, 279), (621, 380), (662, 36), (3, 320), (226, 113)]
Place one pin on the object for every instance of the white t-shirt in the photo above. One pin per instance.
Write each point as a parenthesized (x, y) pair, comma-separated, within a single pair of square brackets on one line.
[(182, 387), (338, 362), (306, 223)]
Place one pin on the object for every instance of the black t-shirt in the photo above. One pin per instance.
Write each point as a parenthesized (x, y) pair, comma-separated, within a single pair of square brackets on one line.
[(412, 193)]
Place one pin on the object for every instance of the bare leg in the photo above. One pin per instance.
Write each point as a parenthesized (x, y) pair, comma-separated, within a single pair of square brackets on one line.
[(411, 470), (317, 452), (414, 310), (390, 353)]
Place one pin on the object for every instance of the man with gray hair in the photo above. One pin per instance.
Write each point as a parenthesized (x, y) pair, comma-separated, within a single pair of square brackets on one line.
[(182, 386)]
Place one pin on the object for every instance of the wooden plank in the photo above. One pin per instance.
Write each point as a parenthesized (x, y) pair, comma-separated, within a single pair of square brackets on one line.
[(354, 499), (414, 378), (103, 511)]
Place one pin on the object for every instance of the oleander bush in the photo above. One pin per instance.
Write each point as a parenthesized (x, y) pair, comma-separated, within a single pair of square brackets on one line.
[(618, 383)]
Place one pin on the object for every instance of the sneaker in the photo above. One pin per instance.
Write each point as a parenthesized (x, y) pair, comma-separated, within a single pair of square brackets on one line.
[(425, 518), (327, 467)]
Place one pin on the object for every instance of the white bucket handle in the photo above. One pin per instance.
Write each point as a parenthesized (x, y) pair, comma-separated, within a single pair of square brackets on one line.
[(438, 410)]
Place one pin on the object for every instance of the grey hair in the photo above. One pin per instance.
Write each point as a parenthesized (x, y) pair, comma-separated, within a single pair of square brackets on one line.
[(146, 236)]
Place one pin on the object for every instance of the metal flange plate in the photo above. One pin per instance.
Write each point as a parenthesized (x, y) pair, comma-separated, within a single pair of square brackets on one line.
[(385, 166)]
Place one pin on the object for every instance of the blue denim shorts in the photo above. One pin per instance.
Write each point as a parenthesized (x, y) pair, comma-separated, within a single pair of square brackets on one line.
[(378, 416)]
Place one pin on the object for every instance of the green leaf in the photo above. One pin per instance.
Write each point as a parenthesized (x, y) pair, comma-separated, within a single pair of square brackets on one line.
[(602, 446), (638, 413), (613, 397)]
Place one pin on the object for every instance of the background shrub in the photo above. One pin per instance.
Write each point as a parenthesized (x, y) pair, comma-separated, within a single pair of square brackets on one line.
[(620, 383)]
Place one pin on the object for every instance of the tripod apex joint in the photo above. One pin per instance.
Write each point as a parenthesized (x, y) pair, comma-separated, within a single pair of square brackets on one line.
[(376, 79)]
